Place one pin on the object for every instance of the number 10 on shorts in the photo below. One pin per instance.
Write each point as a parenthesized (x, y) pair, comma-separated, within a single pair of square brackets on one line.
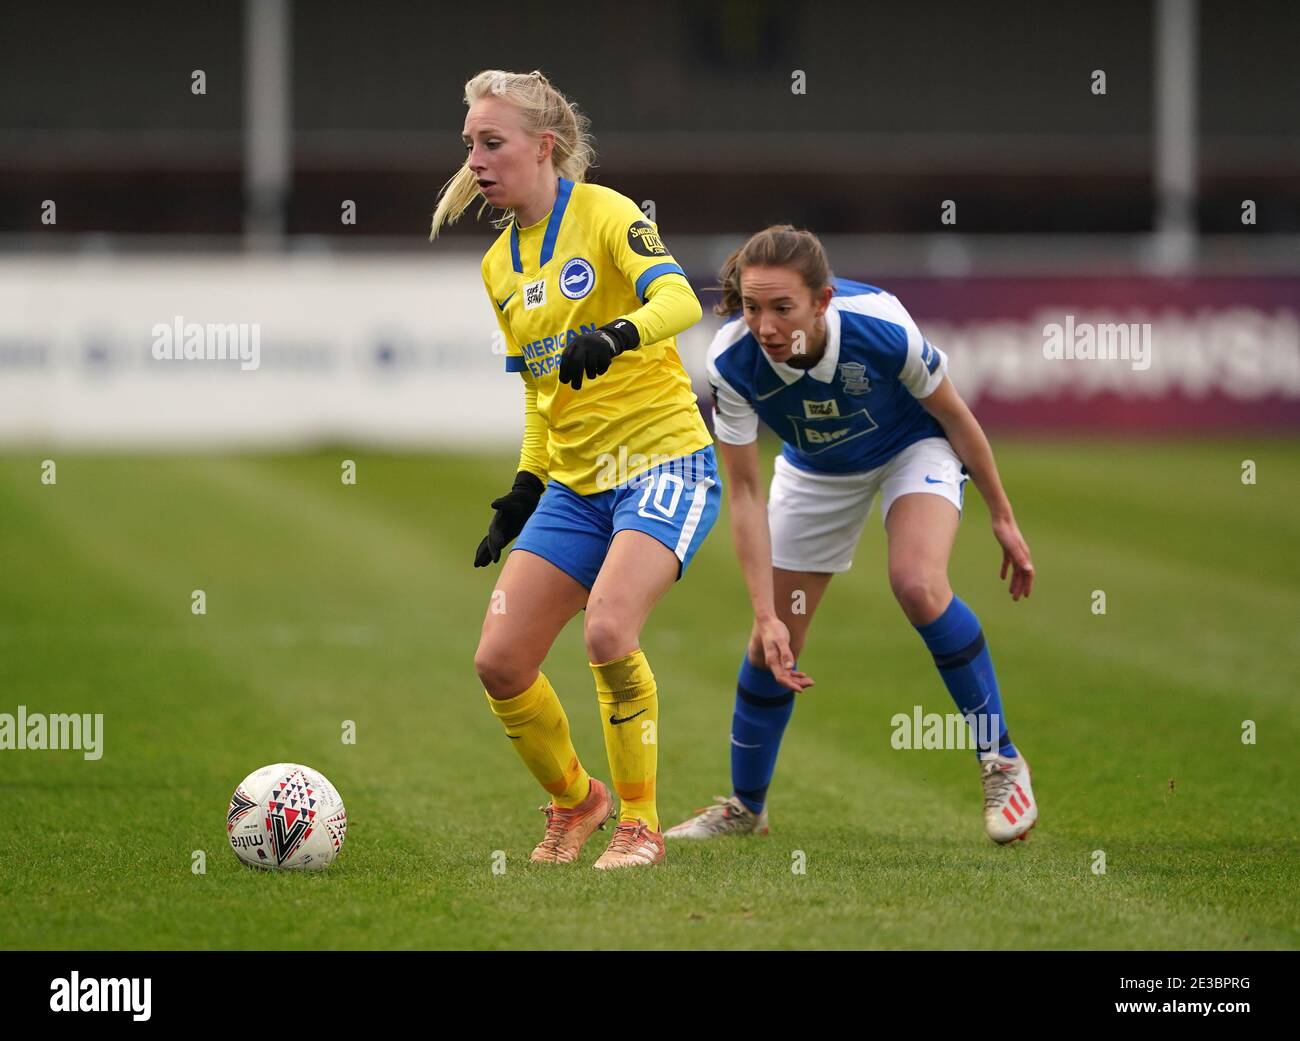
[(662, 493)]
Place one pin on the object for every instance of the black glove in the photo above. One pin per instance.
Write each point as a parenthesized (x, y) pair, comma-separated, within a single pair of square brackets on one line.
[(513, 510), (592, 353)]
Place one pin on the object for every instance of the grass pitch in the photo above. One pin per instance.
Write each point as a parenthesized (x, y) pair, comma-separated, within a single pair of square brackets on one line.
[(327, 603)]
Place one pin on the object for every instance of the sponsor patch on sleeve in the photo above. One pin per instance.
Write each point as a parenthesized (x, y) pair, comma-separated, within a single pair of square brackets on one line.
[(643, 239)]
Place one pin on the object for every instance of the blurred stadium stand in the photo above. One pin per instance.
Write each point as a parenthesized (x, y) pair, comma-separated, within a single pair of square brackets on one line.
[(906, 106), (309, 104)]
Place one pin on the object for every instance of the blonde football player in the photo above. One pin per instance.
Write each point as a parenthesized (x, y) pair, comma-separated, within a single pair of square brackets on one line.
[(617, 484)]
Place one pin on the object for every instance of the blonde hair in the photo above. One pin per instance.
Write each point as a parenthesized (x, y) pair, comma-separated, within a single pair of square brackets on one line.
[(780, 245), (543, 108)]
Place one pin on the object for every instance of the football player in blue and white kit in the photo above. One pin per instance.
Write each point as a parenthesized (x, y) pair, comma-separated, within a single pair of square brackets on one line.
[(864, 407)]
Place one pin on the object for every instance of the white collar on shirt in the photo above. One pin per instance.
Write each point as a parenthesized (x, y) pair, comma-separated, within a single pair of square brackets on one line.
[(824, 370)]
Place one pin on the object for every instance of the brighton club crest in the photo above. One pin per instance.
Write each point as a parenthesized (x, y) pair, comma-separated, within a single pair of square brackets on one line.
[(854, 374)]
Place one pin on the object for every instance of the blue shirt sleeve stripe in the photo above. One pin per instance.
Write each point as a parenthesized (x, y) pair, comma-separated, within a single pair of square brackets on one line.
[(515, 363), (650, 274)]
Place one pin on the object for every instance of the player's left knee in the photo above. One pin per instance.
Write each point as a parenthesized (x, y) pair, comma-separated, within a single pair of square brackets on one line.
[(608, 638), (922, 595)]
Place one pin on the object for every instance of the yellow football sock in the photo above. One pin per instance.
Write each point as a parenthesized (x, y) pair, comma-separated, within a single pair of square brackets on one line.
[(536, 722), (629, 713)]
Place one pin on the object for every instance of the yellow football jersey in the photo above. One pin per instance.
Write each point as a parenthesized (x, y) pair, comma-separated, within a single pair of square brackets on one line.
[(589, 261)]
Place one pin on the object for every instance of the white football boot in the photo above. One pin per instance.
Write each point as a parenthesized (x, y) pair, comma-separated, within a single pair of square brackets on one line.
[(727, 817), (1010, 808)]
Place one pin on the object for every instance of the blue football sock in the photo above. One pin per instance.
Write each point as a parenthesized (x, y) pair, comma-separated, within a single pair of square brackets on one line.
[(763, 708), (957, 643)]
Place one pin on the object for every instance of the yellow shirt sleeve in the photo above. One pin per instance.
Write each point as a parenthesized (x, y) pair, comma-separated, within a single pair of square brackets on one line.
[(669, 304), (514, 356), (671, 307), (534, 453)]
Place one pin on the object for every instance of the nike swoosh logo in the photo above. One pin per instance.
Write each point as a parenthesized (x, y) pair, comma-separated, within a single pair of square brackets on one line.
[(933, 480), (616, 721), (741, 744), (513, 737), (502, 306), (773, 391)]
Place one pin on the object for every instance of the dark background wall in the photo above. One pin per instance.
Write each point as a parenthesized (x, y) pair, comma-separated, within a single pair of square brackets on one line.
[(906, 105)]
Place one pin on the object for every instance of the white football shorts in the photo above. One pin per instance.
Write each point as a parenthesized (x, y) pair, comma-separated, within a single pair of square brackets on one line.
[(816, 519)]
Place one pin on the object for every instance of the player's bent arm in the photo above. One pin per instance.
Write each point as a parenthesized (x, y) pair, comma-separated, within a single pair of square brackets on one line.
[(534, 456), (749, 531), (967, 439), (534, 452), (515, 507), (668, 304), (971, 445), (670, 307)]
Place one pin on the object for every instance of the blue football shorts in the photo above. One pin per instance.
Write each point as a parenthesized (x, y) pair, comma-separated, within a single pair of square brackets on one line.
[(675, 502)]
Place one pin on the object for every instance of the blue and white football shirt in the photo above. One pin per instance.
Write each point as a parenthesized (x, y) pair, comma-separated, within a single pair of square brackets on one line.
[(855, 409)]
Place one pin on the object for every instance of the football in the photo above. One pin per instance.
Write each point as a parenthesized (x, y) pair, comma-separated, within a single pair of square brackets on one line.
[(286, 817)]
